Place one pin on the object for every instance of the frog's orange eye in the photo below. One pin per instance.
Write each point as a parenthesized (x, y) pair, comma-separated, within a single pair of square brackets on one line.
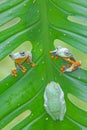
[(22, 53)]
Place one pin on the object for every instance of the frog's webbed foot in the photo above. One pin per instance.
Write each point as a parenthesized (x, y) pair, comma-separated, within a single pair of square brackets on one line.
[(29, 62), (33, 64), (76, 65), (14, 72), (23, 69), (62, 69), (65, 68), (54, 56)]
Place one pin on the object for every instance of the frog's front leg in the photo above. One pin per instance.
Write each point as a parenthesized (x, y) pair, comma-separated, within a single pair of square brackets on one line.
[(54, 55), (29, 61), (22, 68)]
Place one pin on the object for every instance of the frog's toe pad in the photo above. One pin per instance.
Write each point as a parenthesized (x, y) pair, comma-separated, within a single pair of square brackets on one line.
[(24, 69), (14, 74), (14, 69), (52, 57), (63, 69), (78, 63), (56, 57), (33, 64)]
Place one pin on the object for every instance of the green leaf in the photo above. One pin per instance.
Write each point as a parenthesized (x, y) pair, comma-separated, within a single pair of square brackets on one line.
[(43, 24)]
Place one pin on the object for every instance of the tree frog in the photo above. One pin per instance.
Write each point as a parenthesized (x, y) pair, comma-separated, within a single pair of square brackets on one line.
[(19, 58), (54, 101), (67, 55)]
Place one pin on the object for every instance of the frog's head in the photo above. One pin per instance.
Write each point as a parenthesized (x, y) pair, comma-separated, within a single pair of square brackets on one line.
[(63, 52), (17, 55)]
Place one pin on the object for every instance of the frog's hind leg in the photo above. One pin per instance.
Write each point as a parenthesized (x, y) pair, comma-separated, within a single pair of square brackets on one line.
[(71, 68), (14, 72), (76, 66), (64, 68), (22, 68), (73, 59)]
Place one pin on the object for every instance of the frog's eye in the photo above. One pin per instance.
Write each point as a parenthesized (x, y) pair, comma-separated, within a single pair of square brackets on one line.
[(22, 53), (67, 52)]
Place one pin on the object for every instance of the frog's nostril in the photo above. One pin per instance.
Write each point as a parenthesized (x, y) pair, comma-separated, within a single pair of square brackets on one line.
[(10, 55)]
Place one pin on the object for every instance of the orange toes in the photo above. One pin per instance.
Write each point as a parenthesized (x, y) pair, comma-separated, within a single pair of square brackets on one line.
[(78, 63), (33, 64), (62, 69), (24, 69), (14, 74), (56, 57), (52, 57)]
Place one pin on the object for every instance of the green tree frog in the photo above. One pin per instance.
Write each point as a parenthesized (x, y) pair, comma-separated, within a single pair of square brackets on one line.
[(67, 55), (19, 58), (54, 101)]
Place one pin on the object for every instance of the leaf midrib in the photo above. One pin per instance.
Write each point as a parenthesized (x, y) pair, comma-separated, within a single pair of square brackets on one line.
[(44, 23), (46, 41)]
